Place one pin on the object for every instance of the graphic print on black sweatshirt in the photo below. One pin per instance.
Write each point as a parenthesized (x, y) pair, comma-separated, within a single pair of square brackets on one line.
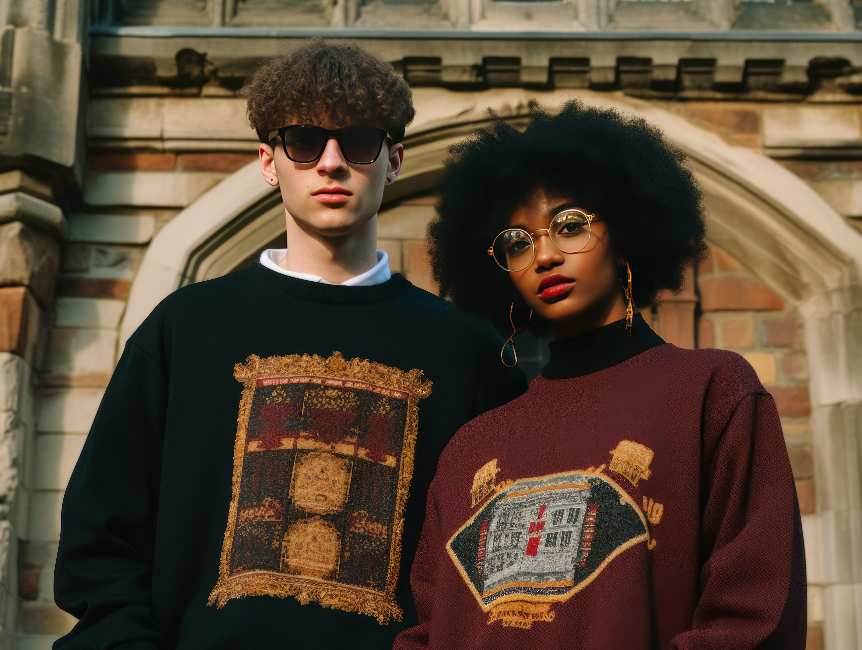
[(323, 462), (540, 540)]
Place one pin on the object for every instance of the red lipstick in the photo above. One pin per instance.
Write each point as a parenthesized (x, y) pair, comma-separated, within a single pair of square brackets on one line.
[(555, 287)]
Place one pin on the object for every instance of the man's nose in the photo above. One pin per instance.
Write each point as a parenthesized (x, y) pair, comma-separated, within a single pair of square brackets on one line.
[(331, 158)]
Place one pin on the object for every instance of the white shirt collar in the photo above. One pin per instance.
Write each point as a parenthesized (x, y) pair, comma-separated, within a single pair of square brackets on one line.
[(377, 274)]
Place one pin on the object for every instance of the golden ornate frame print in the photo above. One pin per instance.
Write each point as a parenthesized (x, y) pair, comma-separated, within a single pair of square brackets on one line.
[(323, 462)]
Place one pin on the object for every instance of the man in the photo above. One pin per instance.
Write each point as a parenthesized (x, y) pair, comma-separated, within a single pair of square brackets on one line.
[(256, 474)]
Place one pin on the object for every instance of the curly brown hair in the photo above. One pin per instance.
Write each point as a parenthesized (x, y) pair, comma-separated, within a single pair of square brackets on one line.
[(341, 84)]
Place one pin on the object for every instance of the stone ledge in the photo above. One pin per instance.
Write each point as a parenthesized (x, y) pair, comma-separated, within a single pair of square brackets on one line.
[(158, 189), (19, 322), (18, 206)]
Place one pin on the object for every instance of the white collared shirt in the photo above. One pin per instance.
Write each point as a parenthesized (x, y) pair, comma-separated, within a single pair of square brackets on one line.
[(377, 274)]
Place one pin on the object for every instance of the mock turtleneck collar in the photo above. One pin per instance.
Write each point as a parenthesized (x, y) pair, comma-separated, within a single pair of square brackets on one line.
[(600, 348)]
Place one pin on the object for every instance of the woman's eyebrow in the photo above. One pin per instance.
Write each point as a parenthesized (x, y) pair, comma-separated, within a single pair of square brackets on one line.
[(563, 206)]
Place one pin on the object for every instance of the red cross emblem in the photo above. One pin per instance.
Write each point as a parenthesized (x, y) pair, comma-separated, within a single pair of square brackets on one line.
[(535, 532)]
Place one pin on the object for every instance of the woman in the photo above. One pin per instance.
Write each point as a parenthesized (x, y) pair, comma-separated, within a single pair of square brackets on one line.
[(638, 495)]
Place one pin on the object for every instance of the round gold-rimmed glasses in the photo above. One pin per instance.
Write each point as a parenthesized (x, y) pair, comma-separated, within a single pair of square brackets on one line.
[(570, 230)]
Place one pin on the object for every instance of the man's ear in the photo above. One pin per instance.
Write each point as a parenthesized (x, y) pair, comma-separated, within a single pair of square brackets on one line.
[(396, 159), (267, 164)]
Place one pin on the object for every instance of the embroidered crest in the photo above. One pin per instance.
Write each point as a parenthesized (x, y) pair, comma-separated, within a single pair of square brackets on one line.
[(631, 460), (323, 462), (484, 482), (540, 540)]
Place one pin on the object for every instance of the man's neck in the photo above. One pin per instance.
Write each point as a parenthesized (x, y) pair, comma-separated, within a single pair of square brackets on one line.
[(333, 259)]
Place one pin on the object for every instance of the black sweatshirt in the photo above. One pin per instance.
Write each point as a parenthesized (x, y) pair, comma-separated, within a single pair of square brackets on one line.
[(255, 476)]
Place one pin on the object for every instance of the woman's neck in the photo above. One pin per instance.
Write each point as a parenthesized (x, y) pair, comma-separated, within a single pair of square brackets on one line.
[(599, 348)]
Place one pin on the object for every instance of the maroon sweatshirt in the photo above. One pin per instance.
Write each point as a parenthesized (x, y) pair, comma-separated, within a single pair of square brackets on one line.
[(637, 496)]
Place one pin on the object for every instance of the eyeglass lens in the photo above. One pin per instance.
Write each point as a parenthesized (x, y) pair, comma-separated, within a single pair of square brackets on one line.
[(359, 144), (514, 248)]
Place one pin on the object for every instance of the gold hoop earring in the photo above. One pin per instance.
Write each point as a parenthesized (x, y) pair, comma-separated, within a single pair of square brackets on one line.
[(630, 310), (510, 342)]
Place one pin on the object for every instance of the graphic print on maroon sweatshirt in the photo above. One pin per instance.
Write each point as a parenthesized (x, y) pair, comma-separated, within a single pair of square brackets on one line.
[(540, 540), (323, 462)]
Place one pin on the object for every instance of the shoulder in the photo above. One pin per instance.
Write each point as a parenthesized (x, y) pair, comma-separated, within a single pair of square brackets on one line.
[(201, 300), (723, 371), (456, 323)]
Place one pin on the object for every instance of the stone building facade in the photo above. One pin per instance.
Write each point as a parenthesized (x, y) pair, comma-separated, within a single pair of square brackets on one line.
[(128, 170)]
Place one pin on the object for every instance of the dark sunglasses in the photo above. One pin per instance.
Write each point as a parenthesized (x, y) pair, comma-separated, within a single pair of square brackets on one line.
[(304, 143)]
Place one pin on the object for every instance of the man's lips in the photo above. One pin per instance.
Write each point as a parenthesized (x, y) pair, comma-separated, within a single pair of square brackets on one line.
[(332, 194), (555, 287)]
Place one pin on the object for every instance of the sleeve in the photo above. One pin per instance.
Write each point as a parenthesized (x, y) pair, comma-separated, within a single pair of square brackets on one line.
[(423, 580), (752, 583), (104, 561)]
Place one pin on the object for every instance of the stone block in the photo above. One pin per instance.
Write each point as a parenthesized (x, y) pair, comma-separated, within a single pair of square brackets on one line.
[(802, 461), (14, 180), (733, 293), (94, 313), (67, 410), (811, 529), (30, 258), (845, 196), (111, 228), (764, 365), (842, 627), (417, 265), (89, 287), (125, 118), (12, 378), (393, 249), (405, 221), (821, 126), (734, 120), (28, 582), (792, 401), (781, 331), (723, 260), (806, 496), (35, 641), (841, 553), (222, 162), (44, 523), (44, 618), (56, 456), (705, 332), (814, 638), (211, 118), (157, 189), (79, 357), (19, 322), (126, 161), (794, 367), (837, 446), (737, 332)]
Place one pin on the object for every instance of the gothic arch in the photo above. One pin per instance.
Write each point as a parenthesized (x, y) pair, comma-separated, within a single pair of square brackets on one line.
[(763, 215)]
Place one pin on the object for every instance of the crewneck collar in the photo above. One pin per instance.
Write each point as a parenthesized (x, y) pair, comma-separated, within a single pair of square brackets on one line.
[(270, 282), (600, 348)]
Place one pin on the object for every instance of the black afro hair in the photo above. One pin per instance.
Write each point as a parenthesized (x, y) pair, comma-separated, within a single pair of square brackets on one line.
[(618, 167)]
